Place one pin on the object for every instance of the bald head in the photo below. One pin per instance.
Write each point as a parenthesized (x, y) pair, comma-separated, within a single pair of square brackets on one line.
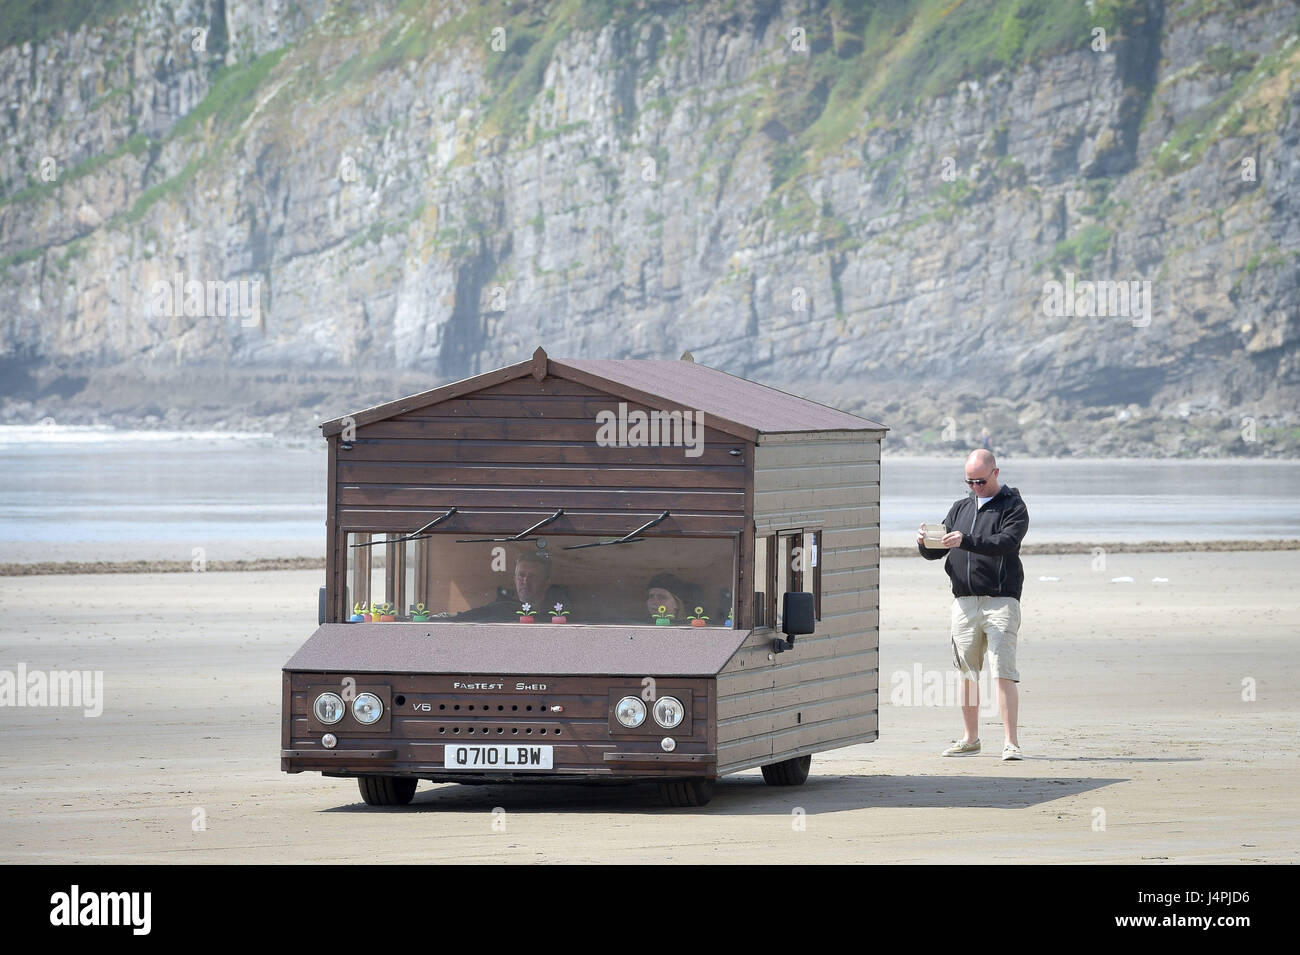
[(980, 463)]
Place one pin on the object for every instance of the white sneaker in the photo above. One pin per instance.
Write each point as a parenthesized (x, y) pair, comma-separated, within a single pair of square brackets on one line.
[(1012, 751), (961, 748)]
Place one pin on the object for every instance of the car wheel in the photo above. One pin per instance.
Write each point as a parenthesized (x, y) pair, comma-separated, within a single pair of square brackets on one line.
[(686, 792), (387, 790), (788, 772)]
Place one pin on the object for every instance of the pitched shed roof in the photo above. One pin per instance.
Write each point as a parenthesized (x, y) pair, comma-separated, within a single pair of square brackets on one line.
[(729, 403), (720, 395)]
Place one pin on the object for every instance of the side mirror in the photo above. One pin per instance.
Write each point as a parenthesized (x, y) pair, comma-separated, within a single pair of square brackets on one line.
[(797, 617)]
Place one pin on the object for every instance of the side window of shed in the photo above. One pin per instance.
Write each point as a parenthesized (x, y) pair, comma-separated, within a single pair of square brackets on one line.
[(798, 568), (812, 568), (762, 584), (785, 558)]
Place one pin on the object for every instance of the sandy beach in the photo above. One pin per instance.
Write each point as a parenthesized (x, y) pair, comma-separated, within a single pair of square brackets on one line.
[(1140, 746)]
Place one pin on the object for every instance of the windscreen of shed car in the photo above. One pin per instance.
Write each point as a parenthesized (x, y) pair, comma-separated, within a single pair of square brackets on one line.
[(681, 582)]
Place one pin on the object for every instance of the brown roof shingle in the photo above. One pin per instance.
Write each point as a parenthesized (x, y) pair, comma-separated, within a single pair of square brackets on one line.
[(720, 395)]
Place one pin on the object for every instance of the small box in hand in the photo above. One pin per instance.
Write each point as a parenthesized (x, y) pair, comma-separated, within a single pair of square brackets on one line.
[(934, 535)]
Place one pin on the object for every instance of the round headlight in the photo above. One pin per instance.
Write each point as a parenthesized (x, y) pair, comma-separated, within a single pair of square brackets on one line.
[(329, 708), (630, 712), (669, 712), (367, 708)]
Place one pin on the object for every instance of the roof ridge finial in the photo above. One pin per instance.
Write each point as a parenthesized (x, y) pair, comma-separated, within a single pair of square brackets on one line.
[(539, 363), (687, 356)]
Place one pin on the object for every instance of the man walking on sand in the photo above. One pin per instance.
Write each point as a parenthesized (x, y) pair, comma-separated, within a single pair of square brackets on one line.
[(984, 531)]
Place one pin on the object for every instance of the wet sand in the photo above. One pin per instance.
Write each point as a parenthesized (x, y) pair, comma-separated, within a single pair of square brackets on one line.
[(1140, 747)]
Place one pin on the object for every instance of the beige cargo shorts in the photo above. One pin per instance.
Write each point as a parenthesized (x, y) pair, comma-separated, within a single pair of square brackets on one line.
[(982, 624)]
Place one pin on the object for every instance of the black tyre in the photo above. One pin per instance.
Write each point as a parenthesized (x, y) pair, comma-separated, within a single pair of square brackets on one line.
[(788, 772), (686, 792), (387, 790)]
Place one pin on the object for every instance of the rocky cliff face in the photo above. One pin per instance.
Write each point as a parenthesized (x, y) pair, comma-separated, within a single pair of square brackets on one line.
[(929, 213)]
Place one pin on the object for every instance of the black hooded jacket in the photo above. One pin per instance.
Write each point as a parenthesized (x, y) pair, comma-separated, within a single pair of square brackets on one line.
[(987, 564)]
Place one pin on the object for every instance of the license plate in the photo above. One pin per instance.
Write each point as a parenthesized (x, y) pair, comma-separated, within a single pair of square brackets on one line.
[(512, 757)]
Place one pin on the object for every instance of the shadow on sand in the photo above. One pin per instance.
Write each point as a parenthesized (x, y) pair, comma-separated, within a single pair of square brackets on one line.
[(749, 795)]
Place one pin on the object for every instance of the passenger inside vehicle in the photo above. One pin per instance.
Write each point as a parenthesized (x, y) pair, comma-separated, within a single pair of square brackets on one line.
[(678, 598)]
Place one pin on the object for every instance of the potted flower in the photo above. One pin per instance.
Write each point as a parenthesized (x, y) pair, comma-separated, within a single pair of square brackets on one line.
[(698, 619), (420, 613), (662, 617), (526, 614), (386, 614), (559, 615), (358, 613), (729, 622)]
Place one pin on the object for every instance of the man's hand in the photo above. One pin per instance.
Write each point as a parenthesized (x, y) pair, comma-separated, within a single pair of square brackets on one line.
[(920, 535), (952, 539)]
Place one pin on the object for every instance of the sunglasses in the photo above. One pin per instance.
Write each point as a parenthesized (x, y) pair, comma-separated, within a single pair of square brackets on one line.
[(976, 482)]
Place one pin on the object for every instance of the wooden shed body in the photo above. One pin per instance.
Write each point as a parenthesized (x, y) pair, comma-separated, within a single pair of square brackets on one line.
[(509, 447)]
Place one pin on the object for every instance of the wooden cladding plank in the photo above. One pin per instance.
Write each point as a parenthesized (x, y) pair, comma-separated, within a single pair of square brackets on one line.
[(518, 406), (739, 682), (374, 472), (681, 523), (827, 735), (550, 385), (794, 455), (850, 622), (870, 431), (793, 695), (804, 696), (850, 580), (753, 652), (751, 753), (844, 624), (842, 475), (828, 518), (824, 647), (800, 694), (836, 540), (754, 724), (527, 453), (808, 500), (858, 659), (744, 750), (866, 599), (803, 715), (552, 406), (515, 429), (392, 495), (409, 403)]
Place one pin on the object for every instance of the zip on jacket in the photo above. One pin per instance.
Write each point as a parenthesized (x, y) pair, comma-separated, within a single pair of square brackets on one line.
[(987, 564)]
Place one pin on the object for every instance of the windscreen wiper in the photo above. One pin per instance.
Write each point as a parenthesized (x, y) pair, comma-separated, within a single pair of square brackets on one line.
[(410, 537), (628, 538), (521, 536)]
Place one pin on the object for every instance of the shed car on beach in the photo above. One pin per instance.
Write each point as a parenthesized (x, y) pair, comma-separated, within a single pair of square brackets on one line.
[(590, 570)]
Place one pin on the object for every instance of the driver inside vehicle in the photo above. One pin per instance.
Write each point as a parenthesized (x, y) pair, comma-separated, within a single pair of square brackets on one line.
[(532, 587)]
